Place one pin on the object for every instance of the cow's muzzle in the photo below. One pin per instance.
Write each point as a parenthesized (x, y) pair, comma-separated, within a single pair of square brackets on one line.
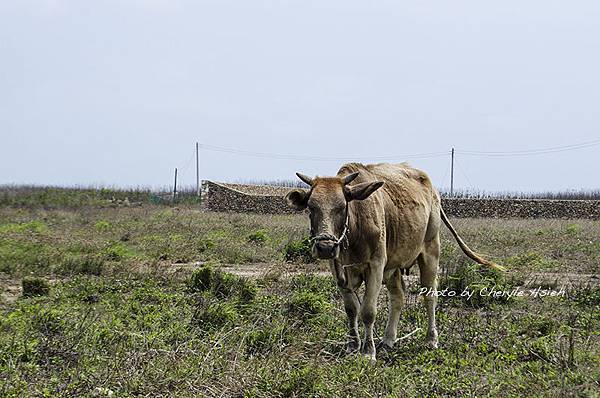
[(325, 246)]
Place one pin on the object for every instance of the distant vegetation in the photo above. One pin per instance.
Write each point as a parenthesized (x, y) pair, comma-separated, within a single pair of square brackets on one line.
[(74, 197), (53, 197)]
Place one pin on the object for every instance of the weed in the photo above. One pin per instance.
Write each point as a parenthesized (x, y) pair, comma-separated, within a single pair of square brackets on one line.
[(35, 286), (306, 304), (267, 339), (318, 284), (117, 251), (303, 382), (201, 279), (531, 260), (222, 285), (587, 296), (573, 229), (479, 281), (82, 264), (258, 237), (298, 250), (216, 316), (102, 225)]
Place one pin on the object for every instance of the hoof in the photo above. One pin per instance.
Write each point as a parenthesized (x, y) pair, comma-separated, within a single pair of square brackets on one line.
[(433, 344), (432, 340), (368, 350), (384, 346), (352, 347), (370, 356)]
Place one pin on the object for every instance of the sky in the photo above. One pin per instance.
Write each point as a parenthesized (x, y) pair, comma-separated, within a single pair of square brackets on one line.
[(117, 93)]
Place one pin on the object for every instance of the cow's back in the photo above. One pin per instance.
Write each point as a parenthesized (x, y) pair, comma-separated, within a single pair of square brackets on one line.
[(407, 199)]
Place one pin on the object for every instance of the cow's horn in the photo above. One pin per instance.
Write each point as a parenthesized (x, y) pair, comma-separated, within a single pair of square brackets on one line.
[(350, 177), (305, 178)]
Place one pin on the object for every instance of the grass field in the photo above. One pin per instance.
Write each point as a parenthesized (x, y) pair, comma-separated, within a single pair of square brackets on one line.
[(114, 305)]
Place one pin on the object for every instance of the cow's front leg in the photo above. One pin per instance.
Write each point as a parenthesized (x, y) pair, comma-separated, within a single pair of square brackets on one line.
[(351, 306), (368, 309)]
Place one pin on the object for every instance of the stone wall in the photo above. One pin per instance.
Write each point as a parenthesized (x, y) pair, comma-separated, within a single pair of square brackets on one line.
[(269, 200), (221, 197)]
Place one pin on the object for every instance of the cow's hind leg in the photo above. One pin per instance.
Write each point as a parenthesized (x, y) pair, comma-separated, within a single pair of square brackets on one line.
[(351, 305), (395, 286), (428, 264)]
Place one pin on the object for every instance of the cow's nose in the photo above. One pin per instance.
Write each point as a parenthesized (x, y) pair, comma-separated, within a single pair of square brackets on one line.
[(325, 249)]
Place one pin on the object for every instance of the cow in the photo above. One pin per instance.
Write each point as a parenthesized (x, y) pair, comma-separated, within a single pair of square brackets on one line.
[(373, 222)]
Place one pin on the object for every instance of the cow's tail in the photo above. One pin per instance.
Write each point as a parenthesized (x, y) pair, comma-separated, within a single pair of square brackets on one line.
[(470, 253)]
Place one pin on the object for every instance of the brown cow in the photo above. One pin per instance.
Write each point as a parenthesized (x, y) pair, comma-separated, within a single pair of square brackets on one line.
[(373, 221)]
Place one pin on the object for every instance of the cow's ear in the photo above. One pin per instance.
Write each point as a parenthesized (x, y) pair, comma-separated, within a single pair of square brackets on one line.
[(361, 191), (297, 199)]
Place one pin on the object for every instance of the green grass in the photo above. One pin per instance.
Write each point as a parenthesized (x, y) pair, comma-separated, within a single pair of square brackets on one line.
[(153, 335), (104, 311)]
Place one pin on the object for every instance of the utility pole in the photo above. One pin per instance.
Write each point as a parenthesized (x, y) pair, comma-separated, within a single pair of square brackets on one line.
[(452, 175), (197, 171), (175, 186)]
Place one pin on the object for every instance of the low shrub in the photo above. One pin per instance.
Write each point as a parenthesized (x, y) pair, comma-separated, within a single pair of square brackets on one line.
[(258, 237), (201, 279), (216, 316), (324, 285), (34, 286), (117, 251), (477, 280), (306, 304), (102, 225), (531, 260), (266, 339), (222, 285), (88, 264), (298, 250)]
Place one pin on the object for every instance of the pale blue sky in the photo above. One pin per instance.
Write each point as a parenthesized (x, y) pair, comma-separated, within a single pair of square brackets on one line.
[(117, 92)]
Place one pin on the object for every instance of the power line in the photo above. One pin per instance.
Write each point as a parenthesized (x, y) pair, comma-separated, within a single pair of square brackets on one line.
[(425, 155), (270, 155), (465, 175), (529, 152)]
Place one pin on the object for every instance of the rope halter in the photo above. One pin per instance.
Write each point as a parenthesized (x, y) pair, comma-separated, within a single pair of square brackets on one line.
[(336, 241)]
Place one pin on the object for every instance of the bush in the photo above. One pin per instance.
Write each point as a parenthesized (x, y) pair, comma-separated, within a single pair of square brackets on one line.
[(216, 316), (102, 225), (472, 277), (531, 260), (201, 279), (324, 285), (266, 338), (88, 264), (259, 237), (303, 382), (307, 304), (34, 286), (222, 285), (587, 296), (299, 250), (117, 251)]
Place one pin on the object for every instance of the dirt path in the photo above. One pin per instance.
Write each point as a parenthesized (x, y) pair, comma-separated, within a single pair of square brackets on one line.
[(260, 270), (10, 288)]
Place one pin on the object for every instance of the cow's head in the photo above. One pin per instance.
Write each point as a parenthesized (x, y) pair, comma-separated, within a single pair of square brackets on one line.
[(327, 201)]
